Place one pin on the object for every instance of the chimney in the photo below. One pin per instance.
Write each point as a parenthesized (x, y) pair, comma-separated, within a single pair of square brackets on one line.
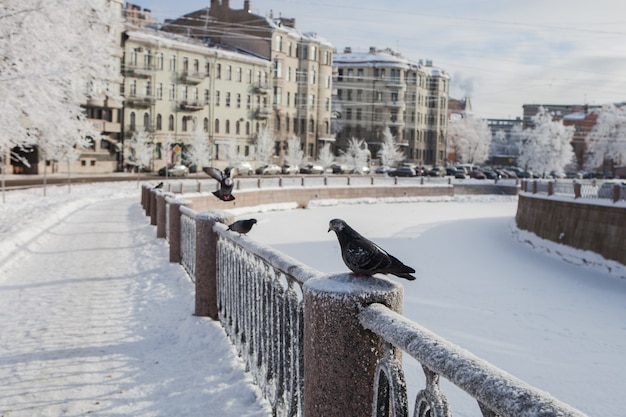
[(372, 49), (246, 6), (347, 50)]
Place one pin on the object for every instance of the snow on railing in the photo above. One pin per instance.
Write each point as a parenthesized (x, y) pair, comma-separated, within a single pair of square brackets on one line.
[(259, 296), (591, 189), (188, 241), (497, 392)]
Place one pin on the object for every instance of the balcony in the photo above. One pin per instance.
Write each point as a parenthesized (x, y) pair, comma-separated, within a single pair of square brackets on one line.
[(105, 126), (394, 83), (395, 104), (262, 113), (191, 78), (191, 105), (139, 71), (262, 88), (141, 102)]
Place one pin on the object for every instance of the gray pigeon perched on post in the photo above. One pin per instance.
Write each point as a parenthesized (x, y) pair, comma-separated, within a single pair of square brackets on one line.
[(363, 256), (225, 193), (242, 226)]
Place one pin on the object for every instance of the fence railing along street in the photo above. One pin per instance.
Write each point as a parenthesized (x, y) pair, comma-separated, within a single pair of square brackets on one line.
[(320, 345)]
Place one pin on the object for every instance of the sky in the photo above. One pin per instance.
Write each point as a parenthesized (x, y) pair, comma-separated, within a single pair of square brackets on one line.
[(500, 54), (95, 320)]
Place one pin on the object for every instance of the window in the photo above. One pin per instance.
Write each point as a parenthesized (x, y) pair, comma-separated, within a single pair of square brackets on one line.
[(350, 74), (237, 127), (170, 123), (133, 88), (359, 95), (229, 72), (172, 92), (279, 43), (358, 114), (248, 102), (147, 89), (159, 122), (185, 64), (227, 130), (196, 66), (207, 69), (228, 99), (205, 124), (278, 69), (217, 125), (239, 74), (359, 74), (218, 71), (238, 100), (217, 98), (172, 62), (249, 76), (312, 101), (132, 120), (247, 128), (184, 124), (159, 61), (207, 96), (159, 91), (313, 77), (146, 121)]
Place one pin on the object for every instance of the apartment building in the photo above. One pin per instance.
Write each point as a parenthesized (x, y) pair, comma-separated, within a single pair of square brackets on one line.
[(380, 88), (300, 83), (174, 83)]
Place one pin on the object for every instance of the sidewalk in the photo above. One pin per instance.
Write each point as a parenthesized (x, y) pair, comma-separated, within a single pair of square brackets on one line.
[(95, 320)]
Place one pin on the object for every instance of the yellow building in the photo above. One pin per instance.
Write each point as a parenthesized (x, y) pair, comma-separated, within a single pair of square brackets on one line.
[(173, 83)]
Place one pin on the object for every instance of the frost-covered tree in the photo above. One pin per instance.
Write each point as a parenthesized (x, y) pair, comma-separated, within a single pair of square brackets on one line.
[(140, 151), (51, 50), (356, 156), (390, 153), (470, 138), (294, 155), (325, 157), (264, 148), (546, 147), (606, 142), (199, 150)]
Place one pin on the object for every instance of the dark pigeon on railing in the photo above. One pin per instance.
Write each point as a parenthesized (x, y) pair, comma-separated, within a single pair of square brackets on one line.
[(159, 185), (242, 226), (363, 256), (225, 193)]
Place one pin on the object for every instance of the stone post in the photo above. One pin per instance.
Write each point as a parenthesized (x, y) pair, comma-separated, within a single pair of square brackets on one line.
[(153, 208), (550, 187), (206, 262), (174, 220), (535, 184), (617, 192), (160, 215), (146, 206), (144, 196), (577, 189), (340, 356)]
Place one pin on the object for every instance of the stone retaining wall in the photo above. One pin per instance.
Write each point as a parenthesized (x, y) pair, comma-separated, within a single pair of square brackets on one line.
[(582, 225)]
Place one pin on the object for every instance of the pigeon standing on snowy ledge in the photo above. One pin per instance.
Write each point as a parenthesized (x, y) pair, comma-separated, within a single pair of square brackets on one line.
[(242, 226), (363, 256)]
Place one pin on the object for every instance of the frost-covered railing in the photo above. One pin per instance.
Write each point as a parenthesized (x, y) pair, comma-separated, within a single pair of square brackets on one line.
[(320, 345), (591, 189), (260, 305), (188, 241), (497, 392)]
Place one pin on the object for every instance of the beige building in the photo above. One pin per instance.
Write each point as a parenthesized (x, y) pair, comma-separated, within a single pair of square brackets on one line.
[(300, 81), (173, 84), (380, 88)]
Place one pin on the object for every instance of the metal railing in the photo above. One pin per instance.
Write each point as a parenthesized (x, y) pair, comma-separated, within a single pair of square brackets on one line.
[(281, 316), (592, 189), (497, 392), (260, 306)]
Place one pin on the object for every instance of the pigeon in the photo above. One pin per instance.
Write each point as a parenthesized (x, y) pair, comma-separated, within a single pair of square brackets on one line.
[(159, 185), (225, 193), (363, 256), (242, 226)]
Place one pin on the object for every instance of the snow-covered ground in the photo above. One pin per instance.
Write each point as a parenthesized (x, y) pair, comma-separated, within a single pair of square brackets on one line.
[(95, 320)]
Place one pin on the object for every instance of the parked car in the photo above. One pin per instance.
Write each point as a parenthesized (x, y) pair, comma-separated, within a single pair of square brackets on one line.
[(383, 169), (243, 168), (477, 174), (403, 171), (606, 189), (437, 172), (312, 169), (290, 169), (176, 170), (340, 169), (490, 173), (269, 169), (364, 170)]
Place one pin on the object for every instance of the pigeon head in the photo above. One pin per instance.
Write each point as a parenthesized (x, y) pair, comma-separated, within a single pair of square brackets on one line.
[(336, 225)]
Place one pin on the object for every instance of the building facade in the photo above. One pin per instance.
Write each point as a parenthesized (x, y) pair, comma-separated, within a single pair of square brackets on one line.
[(299, 87), (381, 88), (176, 87)]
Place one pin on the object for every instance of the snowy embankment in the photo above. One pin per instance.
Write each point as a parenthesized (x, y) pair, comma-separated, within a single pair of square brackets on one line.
[(554, 321)]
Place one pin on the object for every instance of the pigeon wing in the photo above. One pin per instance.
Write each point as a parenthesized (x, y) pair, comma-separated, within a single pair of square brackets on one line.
[(215, 173)]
